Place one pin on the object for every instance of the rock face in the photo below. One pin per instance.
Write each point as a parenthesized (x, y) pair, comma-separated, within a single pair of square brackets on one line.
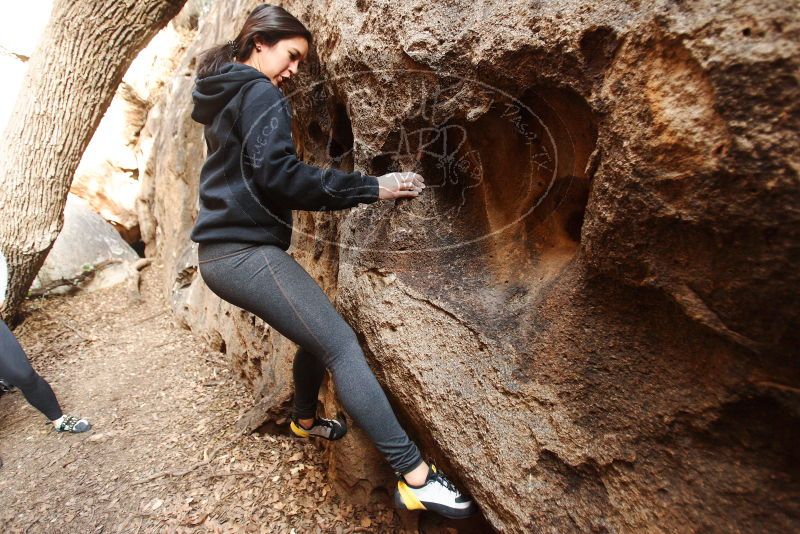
[(590, 317), (106, 176)]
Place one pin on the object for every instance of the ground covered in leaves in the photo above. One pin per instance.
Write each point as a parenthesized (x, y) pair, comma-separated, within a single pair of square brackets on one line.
[(163, 455)]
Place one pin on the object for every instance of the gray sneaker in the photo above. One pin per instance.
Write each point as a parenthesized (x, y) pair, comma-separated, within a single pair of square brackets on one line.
[(331, 429), (70, 423)]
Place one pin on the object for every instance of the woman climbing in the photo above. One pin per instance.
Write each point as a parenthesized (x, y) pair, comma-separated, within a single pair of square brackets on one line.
[(249, 183), (16, 370)]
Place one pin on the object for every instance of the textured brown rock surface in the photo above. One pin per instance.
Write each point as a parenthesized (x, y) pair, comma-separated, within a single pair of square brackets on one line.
[(590, 317)]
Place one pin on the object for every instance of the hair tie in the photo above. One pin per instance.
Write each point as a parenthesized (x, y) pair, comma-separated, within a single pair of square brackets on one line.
[(234, 48)]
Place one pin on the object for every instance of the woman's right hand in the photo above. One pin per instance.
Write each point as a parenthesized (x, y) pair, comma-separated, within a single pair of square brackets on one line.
[(400, 185)]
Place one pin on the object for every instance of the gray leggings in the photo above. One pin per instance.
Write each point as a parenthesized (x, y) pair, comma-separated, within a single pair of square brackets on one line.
[(268, 282)]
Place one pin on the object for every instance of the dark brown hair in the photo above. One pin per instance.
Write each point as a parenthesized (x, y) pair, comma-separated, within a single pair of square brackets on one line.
[(267, 22)]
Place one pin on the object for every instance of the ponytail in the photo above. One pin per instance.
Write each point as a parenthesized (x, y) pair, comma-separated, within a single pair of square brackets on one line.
[(213, 58)]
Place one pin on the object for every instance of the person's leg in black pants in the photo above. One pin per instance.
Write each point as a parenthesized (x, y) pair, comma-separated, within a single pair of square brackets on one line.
[(16, 370), (308, 372)]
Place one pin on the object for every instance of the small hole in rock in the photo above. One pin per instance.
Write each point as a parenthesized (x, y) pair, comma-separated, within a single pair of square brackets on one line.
[(383, 164), (574, 224), (340, 145), (138, 246), (316, 133)]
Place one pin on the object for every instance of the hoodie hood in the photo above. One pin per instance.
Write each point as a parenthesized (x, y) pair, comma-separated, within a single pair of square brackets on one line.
[(213, 92)]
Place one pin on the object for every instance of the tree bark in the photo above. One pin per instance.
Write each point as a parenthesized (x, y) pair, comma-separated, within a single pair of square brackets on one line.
[(84, 52)]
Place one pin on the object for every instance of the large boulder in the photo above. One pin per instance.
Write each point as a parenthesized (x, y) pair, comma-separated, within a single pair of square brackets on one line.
[(88, 253), (590, 317)]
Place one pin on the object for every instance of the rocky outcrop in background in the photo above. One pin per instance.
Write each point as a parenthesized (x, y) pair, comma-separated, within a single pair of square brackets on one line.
[(590, 317), (108, 176)]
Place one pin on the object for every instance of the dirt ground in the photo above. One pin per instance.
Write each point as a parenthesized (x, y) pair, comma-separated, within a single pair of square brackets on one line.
[(163, 455)]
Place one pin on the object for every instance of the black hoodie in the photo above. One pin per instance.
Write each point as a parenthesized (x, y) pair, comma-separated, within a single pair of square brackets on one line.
[(252, 178)]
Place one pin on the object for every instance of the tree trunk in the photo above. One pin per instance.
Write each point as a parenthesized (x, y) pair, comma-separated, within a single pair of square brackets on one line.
[(84, 52)]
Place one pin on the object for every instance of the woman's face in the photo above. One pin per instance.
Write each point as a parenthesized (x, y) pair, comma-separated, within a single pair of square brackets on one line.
[(280, 61)]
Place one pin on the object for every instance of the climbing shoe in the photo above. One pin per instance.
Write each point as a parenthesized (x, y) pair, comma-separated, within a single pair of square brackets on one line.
[(438, 495), (70, 423), (331, 429)]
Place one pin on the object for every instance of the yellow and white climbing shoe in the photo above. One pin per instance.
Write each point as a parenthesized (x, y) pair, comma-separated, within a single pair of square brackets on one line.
[(331, 429), (438, 495)]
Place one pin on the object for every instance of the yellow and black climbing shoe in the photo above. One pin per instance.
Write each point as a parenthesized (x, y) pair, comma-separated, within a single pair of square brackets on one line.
[(438, 495), (331, 429)]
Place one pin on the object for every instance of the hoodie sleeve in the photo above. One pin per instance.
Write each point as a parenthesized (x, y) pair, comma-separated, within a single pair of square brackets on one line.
[(269, 157)]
